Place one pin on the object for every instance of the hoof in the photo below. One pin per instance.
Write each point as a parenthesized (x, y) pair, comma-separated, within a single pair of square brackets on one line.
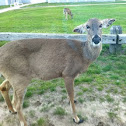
[(80, 121), (13, 112), (74, 101)]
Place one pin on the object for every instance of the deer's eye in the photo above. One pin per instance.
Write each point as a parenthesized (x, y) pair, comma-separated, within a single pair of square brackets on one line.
[(100, 26), (87, 26)]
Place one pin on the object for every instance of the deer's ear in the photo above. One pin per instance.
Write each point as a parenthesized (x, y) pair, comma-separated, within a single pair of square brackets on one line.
[(107, 22), (80, 29)]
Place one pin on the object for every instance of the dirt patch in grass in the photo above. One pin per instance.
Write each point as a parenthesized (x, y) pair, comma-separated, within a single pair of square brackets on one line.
[(96, 112)]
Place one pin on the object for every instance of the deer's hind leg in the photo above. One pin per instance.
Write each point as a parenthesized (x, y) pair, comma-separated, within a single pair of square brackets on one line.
[(19, 85), (4, 88), (14, 100), (20, 96)]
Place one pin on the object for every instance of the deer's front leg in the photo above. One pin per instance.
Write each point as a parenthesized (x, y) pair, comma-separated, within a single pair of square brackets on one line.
[(66, 15), (69, 83)]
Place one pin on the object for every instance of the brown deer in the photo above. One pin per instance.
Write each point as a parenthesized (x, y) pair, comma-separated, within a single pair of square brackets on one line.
[(22, 60), (66, 12)]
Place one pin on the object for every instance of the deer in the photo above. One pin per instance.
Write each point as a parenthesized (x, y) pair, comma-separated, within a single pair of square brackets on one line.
[(46, 59), (66, 12)]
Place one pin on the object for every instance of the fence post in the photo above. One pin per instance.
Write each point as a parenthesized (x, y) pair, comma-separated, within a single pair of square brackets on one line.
[(115, 48)]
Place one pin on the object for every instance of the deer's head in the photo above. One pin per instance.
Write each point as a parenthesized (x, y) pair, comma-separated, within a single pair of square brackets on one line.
[(93, 27)]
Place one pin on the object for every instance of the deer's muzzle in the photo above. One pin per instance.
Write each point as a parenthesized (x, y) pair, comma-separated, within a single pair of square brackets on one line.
[(96, 39)]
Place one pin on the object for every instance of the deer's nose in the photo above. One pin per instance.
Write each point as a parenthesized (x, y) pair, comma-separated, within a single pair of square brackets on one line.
[(96, 39)]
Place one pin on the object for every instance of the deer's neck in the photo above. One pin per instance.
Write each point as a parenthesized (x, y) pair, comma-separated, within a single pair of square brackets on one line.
[(90, 53)]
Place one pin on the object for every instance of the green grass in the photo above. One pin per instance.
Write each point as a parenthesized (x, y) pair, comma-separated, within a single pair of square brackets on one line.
[(83, 79), (112, 90), (41, 122), (2, 43), (5, 6), (64, 90), (102, 99), (52, 89), (79, 93), (124, 99), (1, 98), (81, 100), (100, 88), (64, 97), (114, 76), (70, 3), (28, 94), (32, 113), (107, 68), (26, 104), (84, 89), (112, 115), (59, 111), (40, 87), (109, 98), (51, 20), (45, 109)]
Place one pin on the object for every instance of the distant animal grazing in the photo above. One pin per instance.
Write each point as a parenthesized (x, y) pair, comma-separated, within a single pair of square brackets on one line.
[(22, 60), (66, 12)]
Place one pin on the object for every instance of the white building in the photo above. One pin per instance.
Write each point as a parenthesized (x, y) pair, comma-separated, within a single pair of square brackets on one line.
[(34, 1), (67, 1), (8, 2)]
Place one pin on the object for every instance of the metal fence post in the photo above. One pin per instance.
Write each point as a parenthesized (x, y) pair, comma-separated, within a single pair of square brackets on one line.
[(115, 48)]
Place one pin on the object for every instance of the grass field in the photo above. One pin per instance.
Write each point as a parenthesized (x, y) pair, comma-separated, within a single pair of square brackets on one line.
[(6, 6), (76, 3), (103, 84), (51, 20)]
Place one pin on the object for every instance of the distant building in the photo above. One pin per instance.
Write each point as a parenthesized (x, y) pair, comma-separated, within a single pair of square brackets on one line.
[(8, 2), (66, 1)]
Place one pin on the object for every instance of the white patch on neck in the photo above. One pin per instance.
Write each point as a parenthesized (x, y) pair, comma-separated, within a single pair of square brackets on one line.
[(22, 124), (95, 45)]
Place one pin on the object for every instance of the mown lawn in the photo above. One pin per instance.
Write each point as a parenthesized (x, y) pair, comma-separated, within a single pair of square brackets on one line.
[(51, 20), (76, 3), (5, 6)]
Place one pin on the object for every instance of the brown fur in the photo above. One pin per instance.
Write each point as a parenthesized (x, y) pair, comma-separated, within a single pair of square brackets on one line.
[(44, 59), (66, 12), (22, 60)]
